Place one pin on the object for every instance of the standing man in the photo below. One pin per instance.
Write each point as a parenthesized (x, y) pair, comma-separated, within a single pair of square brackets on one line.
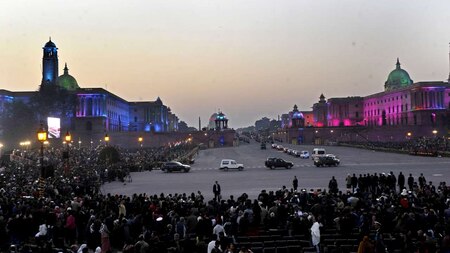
[(295, 183), (422, 181), (401, 181), (216, 191), (410, 181)]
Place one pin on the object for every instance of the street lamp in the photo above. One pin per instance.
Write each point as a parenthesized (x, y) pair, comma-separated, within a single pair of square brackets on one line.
[(140, 139), (68, 139), (42, 137), (1, 146), (106, 139), (435, 132)]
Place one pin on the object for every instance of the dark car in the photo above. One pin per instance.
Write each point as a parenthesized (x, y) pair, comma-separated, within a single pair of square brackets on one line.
[(327, 160), (273, 163), (175, 166)]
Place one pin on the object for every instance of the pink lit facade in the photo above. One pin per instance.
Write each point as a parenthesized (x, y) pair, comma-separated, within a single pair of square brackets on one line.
[(421, 104), (345, 111)]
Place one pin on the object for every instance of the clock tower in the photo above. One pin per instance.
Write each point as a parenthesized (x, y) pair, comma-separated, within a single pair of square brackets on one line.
[(49, 63)]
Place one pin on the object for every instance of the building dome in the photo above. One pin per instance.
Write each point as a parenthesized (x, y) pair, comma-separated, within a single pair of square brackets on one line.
[(212, 121), (67, 81), (398, 78), (50, 43)]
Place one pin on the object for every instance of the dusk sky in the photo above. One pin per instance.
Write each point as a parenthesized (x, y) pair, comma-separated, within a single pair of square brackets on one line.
[(249, 59)]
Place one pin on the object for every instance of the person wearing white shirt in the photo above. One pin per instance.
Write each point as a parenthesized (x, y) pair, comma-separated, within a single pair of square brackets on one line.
[(315, 233)]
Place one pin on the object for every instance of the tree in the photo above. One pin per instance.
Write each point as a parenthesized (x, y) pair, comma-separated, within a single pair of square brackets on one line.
[(54, 101), (17, 123)]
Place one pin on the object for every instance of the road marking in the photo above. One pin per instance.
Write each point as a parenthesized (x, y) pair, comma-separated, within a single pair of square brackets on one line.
[(437, 175)]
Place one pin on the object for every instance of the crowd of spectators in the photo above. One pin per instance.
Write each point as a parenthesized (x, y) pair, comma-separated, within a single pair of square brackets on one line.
[(415, 146), (74, 216)]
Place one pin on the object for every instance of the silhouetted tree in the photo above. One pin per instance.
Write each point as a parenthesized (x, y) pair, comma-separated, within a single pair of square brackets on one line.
[(17, 123)]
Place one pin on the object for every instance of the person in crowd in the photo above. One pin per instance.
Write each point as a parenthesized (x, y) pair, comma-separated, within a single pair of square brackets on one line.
[(366, 246), (295, 183), (315, 233), (217, 191), (410, 182), (401, 181)]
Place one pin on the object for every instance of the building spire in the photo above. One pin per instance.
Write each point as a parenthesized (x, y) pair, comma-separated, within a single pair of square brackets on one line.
[(398, 63), (49, 38), (66, 70)]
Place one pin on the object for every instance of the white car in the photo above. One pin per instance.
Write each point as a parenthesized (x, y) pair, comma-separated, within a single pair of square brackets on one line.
[(227, 164), (304, 154)]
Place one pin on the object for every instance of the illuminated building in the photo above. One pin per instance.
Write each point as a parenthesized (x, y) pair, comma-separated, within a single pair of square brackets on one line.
[(97, 110), (402, 106)]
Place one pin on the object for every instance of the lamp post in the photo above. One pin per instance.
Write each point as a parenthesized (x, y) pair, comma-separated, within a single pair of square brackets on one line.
[(106, 139), (140, 139), (1, 148), (42, 137), (68, 139)]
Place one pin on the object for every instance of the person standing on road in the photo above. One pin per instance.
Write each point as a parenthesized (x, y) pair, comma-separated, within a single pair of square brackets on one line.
[(401, 181), (410, 182), (422, 181), (295, 183), (348, 181), (216, 191)]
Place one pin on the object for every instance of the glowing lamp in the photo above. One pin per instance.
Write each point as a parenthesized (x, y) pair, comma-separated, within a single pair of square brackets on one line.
[(106, 137), (42, 134), (68, 137)]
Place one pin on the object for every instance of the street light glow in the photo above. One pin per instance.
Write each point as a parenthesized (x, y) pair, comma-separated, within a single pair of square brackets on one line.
[(68, 137)]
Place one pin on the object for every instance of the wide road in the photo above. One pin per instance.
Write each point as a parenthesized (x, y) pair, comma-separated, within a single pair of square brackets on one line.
[(256, 177)]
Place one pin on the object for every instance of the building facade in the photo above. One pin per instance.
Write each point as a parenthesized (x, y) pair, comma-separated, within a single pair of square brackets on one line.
[(96, 109), (403, 104)]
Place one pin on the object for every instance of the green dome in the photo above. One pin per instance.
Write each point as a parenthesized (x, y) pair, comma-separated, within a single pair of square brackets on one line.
[(397, 79), (67, 81)]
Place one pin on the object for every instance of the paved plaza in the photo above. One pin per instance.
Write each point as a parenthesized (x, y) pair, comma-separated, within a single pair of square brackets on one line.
[(256, 177)]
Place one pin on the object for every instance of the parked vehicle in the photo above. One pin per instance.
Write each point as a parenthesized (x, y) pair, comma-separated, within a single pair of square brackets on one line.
[(327, 160), (273, 163), (175, 166), (227, 164)]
